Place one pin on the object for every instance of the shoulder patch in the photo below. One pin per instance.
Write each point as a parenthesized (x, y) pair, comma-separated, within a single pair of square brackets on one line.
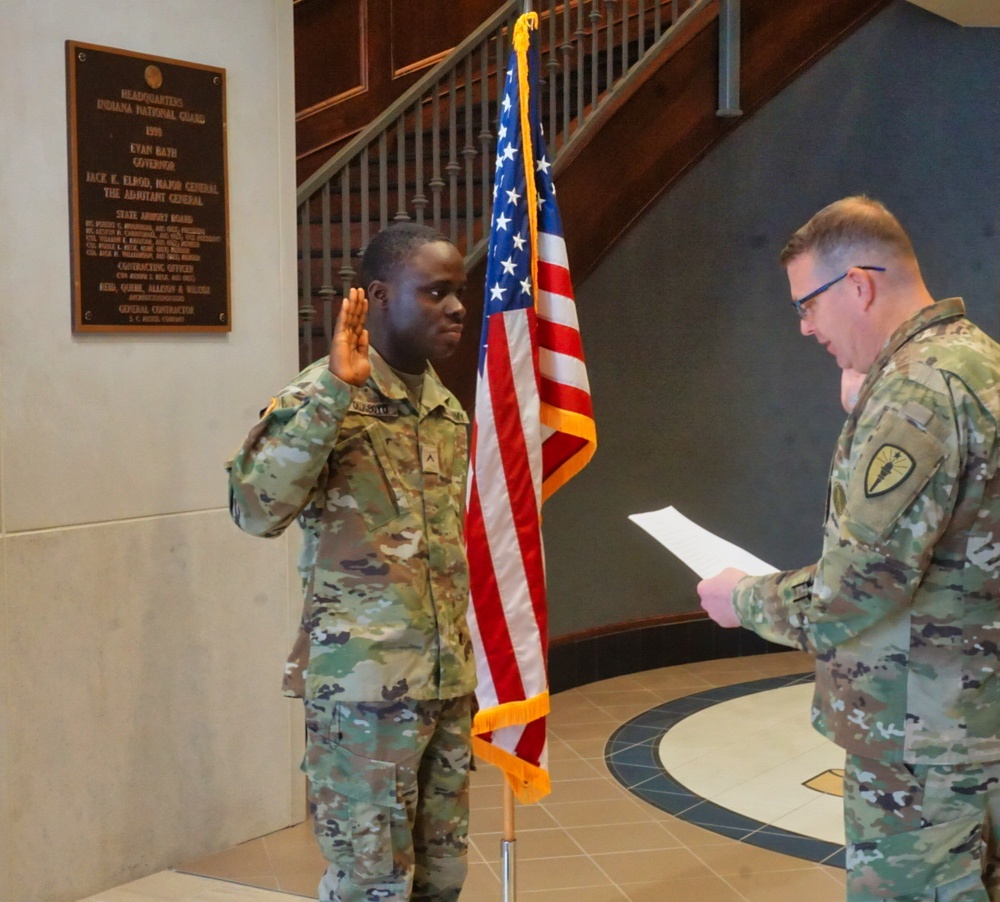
[(269, 408), (889, 467)]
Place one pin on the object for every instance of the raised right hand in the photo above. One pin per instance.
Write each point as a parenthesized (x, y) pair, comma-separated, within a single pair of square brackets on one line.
[(349, 348)]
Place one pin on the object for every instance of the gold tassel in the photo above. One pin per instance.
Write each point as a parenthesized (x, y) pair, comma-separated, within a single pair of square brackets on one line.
[(529, 782), (512, 714)]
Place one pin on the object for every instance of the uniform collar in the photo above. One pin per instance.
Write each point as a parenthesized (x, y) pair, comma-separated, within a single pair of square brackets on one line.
[(386, 382), (931, 315), (389, 385)]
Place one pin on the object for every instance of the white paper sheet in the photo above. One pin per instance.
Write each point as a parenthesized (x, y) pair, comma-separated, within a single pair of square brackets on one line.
[(703, 551)]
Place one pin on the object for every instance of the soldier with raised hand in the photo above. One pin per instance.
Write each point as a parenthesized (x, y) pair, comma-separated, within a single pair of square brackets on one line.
[(369, 452), (902, 610)]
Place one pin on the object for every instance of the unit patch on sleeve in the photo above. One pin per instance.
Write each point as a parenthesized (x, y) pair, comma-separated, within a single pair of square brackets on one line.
[(893, 467), (889, 467)]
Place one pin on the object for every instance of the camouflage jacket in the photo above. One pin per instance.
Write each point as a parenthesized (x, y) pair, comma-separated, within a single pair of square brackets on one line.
[(902, 611), (378, 488)]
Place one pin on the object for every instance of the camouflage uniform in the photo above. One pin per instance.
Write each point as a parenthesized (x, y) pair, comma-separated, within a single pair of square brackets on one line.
[(389, 791), (377, 484), (902, 611)]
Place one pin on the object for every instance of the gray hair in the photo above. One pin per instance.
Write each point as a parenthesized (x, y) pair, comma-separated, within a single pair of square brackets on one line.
[(856, 227)]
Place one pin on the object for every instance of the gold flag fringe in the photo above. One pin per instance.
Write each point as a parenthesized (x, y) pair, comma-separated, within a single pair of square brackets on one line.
[(529, 782), (511, 714)]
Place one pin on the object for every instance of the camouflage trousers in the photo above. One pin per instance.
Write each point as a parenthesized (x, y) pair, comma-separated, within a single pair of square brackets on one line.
[(389, 796), (920, 833)]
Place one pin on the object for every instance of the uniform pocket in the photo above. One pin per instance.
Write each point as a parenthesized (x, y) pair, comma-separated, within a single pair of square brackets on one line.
[(361, 460), (911, 864), (354, 801), (371, 838)]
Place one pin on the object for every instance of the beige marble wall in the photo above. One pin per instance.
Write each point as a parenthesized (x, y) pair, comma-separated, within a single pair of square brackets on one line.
[(6, 854), (141, 722), (144, 718)]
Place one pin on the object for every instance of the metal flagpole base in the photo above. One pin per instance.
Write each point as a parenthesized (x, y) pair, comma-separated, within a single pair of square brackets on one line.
[(508, 860)]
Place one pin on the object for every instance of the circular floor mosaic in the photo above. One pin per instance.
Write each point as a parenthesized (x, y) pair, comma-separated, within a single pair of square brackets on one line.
[(741, 761)]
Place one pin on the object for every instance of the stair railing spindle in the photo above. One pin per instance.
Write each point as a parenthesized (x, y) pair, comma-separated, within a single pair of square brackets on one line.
[(624, 41), (437, 183), (346, 271), (452, 167), (485, 136), (566, 48), (479, 63), (641, 29), (580, 34), (609, 44), (306, 310), (402, 214), (383, 181), (595, 20), (419, 198), (326, 291), (552, 67), (469, 153), (365, 197)]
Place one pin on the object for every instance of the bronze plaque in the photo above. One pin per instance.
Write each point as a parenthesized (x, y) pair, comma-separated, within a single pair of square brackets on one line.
[(148, 208)]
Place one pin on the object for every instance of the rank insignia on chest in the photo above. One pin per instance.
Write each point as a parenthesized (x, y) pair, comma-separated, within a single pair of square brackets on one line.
[(430, 460), (890, 466)]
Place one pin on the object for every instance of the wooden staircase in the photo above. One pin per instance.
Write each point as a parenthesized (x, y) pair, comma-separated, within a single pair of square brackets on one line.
[(613, 158), (430, 156)]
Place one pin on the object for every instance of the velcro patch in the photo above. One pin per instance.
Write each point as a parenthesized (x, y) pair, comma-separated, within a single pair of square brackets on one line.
[(889, 467), (430, 459), (895, 465)]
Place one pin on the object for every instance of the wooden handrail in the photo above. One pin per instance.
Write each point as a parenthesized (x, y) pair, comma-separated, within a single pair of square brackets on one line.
[(429, 155)]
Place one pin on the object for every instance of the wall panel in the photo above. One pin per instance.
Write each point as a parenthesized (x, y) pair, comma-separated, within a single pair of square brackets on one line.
[(355, 57), (706, 395), (331, 52), (142, 636)]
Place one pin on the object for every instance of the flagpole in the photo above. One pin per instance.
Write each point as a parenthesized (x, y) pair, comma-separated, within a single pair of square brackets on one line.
[(529, 309), (508, 846)]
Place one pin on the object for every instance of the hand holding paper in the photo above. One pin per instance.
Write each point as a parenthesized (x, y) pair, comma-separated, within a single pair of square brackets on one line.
[(716, 596), (721, 564)]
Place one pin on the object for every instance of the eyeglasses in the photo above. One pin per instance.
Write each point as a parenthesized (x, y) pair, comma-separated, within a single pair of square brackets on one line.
[(800, 304)]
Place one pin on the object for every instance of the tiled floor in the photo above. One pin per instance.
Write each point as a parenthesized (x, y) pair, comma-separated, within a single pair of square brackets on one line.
[(742, 761), (591, 840)]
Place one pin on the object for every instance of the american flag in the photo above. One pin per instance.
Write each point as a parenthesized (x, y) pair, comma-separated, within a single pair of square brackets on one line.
[(533, 430)]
